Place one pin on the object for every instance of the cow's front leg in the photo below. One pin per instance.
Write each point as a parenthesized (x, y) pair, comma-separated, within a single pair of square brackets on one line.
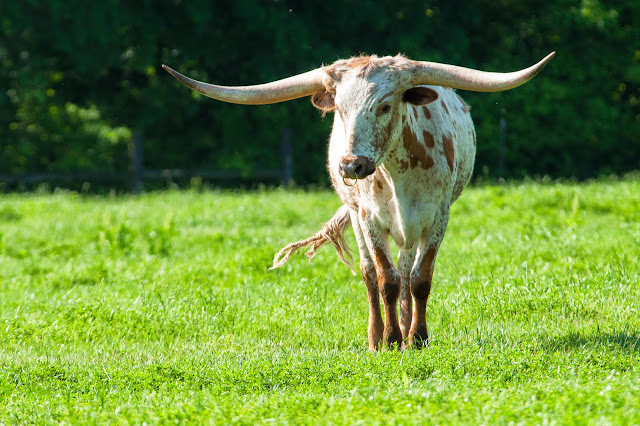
[(377, 241), (406, 259), (389, 285), (422, 276), (368, 270)]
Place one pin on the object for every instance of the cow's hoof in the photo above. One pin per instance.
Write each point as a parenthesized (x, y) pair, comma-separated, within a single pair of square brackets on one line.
[(418, 339), (393, 338)]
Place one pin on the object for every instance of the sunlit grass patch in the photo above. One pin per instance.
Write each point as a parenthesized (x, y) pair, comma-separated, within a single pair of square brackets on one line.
[(160, 307)]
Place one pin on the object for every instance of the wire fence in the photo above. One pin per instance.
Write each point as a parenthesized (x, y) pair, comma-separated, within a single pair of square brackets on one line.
[(136, 177)]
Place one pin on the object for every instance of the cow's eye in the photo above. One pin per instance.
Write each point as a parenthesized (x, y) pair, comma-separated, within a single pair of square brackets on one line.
[(385, 109)]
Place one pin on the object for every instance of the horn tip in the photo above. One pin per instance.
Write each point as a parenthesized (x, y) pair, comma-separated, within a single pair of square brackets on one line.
[(543, 63), (549, 57), (173, 72)]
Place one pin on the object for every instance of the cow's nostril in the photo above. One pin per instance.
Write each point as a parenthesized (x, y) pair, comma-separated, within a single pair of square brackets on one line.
[(356, 167)]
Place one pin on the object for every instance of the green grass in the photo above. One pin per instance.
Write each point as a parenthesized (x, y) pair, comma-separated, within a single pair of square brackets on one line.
[(160, 308)]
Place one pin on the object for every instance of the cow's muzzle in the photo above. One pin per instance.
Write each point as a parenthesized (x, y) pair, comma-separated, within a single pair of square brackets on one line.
[(356, 167)]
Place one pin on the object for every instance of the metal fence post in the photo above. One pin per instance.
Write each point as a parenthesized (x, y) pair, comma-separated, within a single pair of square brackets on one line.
[(287, 157), (136, 163), (502, 149)]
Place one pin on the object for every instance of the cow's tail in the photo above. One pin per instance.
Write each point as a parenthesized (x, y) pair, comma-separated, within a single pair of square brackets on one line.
[(332, 231)]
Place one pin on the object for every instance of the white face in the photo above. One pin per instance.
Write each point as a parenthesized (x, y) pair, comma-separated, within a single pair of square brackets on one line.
[(369, 110), (369, 105)]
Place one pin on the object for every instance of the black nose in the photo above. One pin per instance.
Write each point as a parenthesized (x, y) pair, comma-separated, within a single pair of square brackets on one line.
[(356, 167)]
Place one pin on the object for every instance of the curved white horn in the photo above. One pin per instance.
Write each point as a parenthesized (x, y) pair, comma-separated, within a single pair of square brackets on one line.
[(470, 79), (286, 89)]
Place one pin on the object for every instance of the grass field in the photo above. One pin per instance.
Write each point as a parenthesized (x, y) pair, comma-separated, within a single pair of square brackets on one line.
[(160, 308)]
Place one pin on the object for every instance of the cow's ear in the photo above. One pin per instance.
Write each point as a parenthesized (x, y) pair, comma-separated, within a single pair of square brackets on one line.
[(420, 95), (324, 101)]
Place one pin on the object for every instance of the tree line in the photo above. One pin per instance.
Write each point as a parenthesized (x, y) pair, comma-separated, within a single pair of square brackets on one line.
[(79, 79)]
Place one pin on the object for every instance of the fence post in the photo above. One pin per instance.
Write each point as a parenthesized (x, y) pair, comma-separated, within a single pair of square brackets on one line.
[(287, 157), (136, 163), (502, 149)]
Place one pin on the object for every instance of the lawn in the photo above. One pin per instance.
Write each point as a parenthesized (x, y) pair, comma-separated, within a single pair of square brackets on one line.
[(159, 308)]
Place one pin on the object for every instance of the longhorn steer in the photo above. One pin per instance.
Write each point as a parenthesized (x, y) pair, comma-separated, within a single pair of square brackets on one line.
[(401, 150)]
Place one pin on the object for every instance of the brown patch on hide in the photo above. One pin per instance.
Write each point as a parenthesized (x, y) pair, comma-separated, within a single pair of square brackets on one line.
[(359, 61), (449, 153), (426, 112), (416, 150), (363, 214), (382, 264), (465, 107), (421, 287), (361, 64), (427, 163), (390, 292), (429, 257), (403, 166), (386, 134), (389, 287), (378, 181), (335, 75), (446, 110), (429, 141)]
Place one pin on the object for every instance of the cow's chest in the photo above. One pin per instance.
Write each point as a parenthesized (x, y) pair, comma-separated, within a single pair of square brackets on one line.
[(405, 208)]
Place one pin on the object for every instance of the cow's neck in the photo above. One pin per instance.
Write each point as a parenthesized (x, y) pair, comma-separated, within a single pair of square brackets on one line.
[(403, 196)]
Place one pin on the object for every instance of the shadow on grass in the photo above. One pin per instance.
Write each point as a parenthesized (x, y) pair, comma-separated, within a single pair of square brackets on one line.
[(623, 341)]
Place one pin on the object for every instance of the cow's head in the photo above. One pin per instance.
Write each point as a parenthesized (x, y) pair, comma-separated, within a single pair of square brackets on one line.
[(367, 94)]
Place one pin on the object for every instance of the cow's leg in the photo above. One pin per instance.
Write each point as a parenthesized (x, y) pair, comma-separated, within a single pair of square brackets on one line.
[(422, 275), (368, 270), (388, 278), (406, 259), (389, 286)]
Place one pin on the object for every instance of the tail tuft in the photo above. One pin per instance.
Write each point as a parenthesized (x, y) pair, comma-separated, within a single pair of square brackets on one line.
[(332, 231)]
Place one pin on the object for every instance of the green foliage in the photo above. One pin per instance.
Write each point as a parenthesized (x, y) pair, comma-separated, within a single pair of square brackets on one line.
[(533, 314), (122, 239), (79, 79), (67, 138)]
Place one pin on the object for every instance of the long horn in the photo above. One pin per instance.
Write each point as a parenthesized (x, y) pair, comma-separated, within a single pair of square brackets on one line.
[(469, 79), (294, 87)]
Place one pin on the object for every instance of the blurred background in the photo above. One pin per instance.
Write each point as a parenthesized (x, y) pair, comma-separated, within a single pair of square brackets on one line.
[(83, 97)]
